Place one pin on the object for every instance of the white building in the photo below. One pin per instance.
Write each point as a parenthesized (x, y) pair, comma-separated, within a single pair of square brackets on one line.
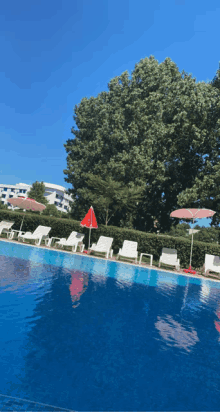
[(55, 194)]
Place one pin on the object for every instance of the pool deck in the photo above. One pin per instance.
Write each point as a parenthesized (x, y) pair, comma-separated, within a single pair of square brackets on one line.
[(143, 265)]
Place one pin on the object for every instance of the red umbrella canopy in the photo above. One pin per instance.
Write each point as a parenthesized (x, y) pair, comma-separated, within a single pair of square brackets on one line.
[(89, 220), (192, 213), (26, 203)]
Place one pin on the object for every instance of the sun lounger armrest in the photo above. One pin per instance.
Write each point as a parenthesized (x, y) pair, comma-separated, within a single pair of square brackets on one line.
[(26, 234), (49, 242), (62, 239)]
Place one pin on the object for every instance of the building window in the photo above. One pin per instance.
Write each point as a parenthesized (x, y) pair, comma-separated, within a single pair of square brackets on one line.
[(10, 196), (65, 207), (3, 196), (56, 203), (12, 190), (20, 190), (24, 191), (57, 196), (5, 189)]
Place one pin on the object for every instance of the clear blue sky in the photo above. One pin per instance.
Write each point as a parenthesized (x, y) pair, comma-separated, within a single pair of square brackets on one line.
[(54, 53)]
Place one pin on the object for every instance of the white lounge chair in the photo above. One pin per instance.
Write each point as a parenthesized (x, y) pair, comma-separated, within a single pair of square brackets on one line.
[(5, 226), (212, 263), (103, 245), (169, 257), (74, 240), (128, 250), (41, 233)]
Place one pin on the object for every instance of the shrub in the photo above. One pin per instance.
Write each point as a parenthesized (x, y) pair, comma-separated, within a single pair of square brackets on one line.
[(147, 242)]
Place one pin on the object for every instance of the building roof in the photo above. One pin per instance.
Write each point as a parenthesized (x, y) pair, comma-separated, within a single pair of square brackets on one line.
[(48, 185), (52, 186)]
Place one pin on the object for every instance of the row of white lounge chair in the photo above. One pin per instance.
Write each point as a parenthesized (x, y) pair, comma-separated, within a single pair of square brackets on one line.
[(75, 240), (104, 245)]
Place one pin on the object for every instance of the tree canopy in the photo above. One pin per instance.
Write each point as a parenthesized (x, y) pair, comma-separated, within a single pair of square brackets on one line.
[(2, 206), (158, 129), (181, 229), (37, 192), (109, 196), (51, 210), (207, 234)]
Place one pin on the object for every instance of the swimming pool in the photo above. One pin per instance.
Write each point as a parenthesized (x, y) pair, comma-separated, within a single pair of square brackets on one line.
[(87, 334)]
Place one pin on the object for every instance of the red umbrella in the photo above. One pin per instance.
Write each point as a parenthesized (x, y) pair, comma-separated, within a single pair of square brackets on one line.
[(89, 221), (192, 214), (26, 203)]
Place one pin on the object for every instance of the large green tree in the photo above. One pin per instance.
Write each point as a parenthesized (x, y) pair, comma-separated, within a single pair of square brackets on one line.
[(204, 192), (109, 197), (154, 129), (37, 192), (216, 80)]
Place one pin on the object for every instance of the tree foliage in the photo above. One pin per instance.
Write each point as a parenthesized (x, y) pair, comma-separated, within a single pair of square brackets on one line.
[(158, 129), (216, 80), (2, 206), (181, 229), (109, 196), (207, 234), (37, 192), (204, 192), (51, 210)]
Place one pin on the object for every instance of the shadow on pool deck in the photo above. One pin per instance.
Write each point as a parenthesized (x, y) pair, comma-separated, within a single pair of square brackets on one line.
[(9, 403)]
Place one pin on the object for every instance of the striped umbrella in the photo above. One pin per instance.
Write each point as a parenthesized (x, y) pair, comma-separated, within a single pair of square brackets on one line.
[(192, 214), (27, 204)]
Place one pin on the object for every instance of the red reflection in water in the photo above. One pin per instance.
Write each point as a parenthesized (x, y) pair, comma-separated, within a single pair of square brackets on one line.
[(79, 283), (217, 323)]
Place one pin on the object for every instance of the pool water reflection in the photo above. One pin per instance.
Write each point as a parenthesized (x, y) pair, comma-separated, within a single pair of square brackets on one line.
[(87, 334)]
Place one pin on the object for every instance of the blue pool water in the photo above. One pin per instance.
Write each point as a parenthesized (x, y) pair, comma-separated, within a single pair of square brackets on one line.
[(86, 334)]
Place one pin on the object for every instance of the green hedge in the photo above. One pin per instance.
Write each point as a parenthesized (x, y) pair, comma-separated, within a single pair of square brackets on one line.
[(153, 244), (147, 242), (59, 227)]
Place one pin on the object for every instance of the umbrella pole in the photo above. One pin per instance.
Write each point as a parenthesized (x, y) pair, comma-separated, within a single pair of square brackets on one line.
[(21, 223), (89, 235), (191, 249)]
